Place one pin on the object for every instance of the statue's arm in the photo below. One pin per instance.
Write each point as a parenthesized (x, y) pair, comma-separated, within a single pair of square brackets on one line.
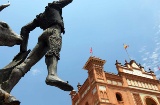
[(25, 30), (62, 3), (4, 6)]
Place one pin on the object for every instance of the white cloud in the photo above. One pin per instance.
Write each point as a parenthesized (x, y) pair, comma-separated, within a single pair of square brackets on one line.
[(35, 72), (142, 49), (158, 32), (158, 48), (144, 64), (150, 59), (147, 53), (155, 69), (154, 56), (144, 59)]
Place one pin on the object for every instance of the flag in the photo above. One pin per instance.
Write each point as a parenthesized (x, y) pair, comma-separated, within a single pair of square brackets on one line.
[(125, 46), (91, 50)]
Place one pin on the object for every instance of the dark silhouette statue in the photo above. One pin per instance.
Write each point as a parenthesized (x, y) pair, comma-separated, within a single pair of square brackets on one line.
[(48, 45), (9, 38)]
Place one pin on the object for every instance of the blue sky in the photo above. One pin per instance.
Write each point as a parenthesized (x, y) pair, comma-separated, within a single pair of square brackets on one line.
[(103, 25)]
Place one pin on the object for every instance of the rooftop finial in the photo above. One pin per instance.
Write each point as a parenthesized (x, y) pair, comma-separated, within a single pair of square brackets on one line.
[(79, 86), (117, 61), (140, 65), (151, 71)]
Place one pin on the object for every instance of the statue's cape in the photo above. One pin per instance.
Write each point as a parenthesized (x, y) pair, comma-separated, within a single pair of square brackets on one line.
[(6, 71)]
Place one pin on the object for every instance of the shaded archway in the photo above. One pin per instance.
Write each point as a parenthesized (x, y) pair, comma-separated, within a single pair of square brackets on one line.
[(150, 101)]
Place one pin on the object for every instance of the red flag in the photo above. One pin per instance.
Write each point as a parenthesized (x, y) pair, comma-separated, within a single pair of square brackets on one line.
[(91, 50)]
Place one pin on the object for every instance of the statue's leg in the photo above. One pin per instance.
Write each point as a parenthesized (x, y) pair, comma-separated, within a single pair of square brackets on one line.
[(37, 53), (52, 56), (19, 71)]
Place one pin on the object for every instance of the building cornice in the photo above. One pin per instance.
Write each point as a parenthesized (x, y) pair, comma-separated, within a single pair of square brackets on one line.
[(93, 60)]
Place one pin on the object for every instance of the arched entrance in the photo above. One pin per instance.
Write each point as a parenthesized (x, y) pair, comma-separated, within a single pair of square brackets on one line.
[(150, 101)]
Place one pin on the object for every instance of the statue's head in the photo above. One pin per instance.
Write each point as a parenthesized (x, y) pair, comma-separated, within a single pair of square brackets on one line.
[(7, 36)]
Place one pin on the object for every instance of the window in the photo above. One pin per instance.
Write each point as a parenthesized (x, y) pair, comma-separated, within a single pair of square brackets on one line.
[(119, 97), (86, 103)]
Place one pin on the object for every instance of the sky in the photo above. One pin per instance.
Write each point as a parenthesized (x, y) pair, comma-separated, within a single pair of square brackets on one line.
[(103, 25)]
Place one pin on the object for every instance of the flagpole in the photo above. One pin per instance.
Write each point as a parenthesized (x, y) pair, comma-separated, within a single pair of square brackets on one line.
[(125, 47), (128, 54), (92, 53)]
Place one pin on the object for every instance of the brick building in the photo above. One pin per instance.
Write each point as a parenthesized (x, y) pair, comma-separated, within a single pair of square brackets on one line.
[(131, 86)]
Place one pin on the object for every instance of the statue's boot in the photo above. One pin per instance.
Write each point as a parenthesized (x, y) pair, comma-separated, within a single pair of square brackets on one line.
[(8, 99), (14, 78), (52, 78)]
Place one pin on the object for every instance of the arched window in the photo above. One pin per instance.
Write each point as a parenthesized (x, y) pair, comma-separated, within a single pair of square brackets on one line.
[(119, 97)]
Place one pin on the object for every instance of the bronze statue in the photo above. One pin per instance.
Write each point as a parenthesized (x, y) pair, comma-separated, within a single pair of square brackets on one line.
[(49, 44), (9, 38)]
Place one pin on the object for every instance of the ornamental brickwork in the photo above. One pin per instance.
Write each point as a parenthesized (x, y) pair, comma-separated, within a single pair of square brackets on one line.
[(132, 85), (137, 99), (158, 99)]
